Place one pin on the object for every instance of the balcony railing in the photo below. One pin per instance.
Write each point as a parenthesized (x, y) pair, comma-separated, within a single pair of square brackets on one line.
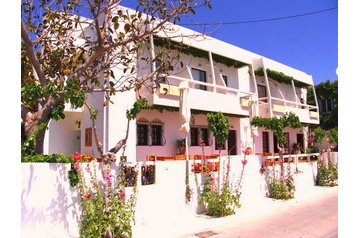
[(306, 112)]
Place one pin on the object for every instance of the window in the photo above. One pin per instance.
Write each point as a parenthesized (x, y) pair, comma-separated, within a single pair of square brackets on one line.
[(155, 130), (157, 134), (199, 75), (205, 135), (194, 141), (142, 134), (225, 80), (262, 92), (265, 142), (197, 133)]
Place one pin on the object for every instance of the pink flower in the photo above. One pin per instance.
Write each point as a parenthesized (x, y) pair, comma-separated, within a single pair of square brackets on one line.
[(122, 195), (108, 178), (211, 179), (76, 156), (77, 166), (201, 142), (84, 213), (228, 167), (244, 162), (88, 168), (88, 195)]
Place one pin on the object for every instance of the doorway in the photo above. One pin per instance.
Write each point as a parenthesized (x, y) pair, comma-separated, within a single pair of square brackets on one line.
[(300, 141), (231, 143)]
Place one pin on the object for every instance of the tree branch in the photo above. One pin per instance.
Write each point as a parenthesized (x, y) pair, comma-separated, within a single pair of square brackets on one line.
[(98, 143), (31, 54)]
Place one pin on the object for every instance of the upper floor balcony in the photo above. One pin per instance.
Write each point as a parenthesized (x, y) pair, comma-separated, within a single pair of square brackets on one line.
[(283, 89)]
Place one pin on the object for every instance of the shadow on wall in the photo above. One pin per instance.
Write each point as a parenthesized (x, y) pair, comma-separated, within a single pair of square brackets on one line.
[(48, 203)]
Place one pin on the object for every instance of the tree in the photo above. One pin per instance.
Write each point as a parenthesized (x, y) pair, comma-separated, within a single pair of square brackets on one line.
[(326, 90), (65, 56), (219, 125)]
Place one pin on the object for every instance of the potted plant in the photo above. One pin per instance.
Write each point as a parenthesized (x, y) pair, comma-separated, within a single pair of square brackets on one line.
[(180, 146), (248, 151)]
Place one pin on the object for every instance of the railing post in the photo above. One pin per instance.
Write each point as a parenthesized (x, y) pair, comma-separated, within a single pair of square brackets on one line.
[(212, 71)]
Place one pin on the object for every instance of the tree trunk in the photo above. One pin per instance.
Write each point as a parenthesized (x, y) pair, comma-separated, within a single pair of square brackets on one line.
[(32, 120)]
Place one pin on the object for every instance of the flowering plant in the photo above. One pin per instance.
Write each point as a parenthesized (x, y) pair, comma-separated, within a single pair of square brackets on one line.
[(327, 174), (105, 209), (280, 186), (221, 200)]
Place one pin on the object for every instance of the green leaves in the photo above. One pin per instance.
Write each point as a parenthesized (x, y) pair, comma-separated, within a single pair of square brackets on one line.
[(280, 77), (138, 106), (219, 126), (277, 125)]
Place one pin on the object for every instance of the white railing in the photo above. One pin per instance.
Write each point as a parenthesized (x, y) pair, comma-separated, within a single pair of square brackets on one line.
[(214, 87)]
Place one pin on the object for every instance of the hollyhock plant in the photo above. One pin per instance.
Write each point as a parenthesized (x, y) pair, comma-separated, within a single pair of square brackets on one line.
[(122, 195), (103, 204), (76, 157)]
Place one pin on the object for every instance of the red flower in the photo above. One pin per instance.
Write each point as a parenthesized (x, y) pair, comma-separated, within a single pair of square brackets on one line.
[(76, 156), (309, 143), (201, 142), (244, 162), (122, 195), (211, 179), (88, 195)]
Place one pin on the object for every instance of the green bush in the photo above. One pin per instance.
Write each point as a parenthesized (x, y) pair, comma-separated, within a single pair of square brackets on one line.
[(54, 158), (281, 188), (220, 203), (327, 175)]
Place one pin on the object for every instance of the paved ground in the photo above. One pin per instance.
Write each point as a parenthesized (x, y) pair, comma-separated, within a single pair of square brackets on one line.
[(312, 218)]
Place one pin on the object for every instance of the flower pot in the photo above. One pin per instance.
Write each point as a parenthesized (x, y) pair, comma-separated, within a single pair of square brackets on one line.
[(182, 150), (248, 151)]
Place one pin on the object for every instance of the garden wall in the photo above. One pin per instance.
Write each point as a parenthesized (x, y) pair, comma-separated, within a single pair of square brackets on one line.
[(50, 207)]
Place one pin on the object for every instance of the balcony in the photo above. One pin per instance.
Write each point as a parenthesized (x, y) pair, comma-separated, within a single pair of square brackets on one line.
[(306, 113), (202, 96)]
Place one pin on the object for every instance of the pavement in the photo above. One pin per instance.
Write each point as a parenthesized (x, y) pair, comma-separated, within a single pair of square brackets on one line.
[(309, 215)]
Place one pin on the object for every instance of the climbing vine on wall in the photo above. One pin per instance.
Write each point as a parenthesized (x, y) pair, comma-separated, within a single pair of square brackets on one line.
[(280, 77), (197, 52), (277, 125)]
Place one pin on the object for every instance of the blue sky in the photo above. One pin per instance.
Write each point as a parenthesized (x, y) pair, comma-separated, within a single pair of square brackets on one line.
[(307, 43)]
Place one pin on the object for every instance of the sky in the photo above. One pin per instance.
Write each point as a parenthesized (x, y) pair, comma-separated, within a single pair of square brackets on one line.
[(308, 43)]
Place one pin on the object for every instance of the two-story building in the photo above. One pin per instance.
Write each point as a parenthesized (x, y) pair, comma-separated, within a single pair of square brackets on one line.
[(221, 77)]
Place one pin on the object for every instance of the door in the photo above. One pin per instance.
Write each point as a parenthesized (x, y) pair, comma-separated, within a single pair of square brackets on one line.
[(199, 75), (265, 142), (262, 92), (300, 141), (231, 143)]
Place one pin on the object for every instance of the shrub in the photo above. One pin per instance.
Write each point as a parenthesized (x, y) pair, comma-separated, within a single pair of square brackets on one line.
[(327, 175), (281, 188), (54, 158)]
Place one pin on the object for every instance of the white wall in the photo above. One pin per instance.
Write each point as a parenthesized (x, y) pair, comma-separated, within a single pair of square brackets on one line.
[(50, 208), (96, 101), (63, 136)]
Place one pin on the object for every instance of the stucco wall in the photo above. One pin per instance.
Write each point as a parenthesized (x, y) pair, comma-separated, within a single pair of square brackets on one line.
[(63, 136), (50, 208)]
